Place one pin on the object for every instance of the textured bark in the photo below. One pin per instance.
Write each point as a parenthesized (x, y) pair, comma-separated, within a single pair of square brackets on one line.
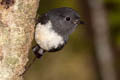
[(16, 34)]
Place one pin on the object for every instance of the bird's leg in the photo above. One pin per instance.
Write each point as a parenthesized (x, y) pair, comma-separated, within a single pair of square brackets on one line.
[(38, 54), (38, 51)]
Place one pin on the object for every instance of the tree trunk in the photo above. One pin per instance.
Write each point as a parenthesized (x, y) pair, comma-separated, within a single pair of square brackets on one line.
[(97, 21), (16, 34)]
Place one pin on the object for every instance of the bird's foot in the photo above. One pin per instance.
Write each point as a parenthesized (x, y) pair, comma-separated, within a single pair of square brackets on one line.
[(38, 51)]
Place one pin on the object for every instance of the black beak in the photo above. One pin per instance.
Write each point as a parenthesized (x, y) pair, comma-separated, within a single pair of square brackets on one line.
[(82, 22)]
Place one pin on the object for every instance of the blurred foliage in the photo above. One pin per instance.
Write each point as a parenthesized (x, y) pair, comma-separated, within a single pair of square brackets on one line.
[(75, 61), (113, 8), (47, 5)]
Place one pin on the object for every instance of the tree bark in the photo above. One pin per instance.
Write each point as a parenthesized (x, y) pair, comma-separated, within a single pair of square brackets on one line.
[(16, 34)]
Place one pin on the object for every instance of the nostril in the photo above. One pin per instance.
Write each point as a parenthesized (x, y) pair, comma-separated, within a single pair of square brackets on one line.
[(77, 21)]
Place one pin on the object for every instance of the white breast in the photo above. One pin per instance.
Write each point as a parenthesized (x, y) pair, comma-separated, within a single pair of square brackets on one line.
[(46, 37)]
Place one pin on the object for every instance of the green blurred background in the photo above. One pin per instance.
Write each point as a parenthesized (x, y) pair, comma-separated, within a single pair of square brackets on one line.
[(76, 60)]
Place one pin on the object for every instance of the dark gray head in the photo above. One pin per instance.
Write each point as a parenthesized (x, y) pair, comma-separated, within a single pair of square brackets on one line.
[(64, 20)]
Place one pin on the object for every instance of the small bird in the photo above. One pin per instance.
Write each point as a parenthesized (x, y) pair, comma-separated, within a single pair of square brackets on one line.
[(53, 29)]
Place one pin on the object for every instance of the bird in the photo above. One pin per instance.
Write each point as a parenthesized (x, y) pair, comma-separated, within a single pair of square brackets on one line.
[(53, 29)]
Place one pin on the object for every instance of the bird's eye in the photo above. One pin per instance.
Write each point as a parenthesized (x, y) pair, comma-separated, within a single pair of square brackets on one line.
[(67, 18)]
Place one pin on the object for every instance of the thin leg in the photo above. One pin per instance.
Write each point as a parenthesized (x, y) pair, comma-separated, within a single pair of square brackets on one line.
[(29, 65), (38, 54)]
